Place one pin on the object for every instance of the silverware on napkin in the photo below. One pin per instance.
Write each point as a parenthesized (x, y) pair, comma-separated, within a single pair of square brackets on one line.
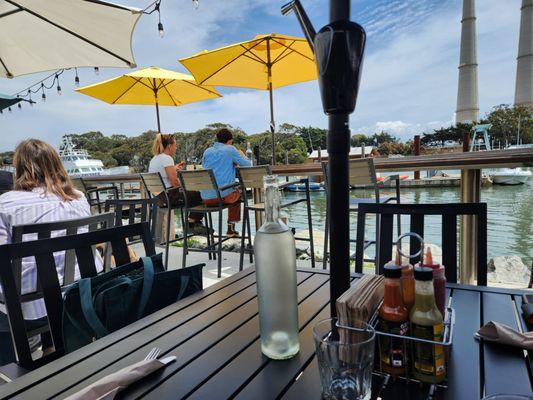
[(108, 387)]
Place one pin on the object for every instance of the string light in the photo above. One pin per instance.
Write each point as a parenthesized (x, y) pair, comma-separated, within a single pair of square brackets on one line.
[(97, 70), (9, 109), (29, 98), (156, 8), (58, 87), (196, 4), (43, 97), (76, 78)]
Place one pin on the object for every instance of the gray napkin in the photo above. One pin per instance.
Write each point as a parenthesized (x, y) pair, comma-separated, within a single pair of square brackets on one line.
[(500, 333), (108, 387)]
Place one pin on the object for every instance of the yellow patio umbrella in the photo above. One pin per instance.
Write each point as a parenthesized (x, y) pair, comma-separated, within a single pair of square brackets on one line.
[(151, 86), (266, 62)]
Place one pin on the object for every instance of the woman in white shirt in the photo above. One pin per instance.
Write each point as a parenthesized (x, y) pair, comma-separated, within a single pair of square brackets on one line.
[(164, 150), (42, 192)]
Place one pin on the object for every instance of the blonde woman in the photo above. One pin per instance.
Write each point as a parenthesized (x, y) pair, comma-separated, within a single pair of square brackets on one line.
[(42, 192), (164, 150)]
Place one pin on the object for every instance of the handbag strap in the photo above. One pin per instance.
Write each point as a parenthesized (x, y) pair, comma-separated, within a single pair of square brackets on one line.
[(88, 310), (148, 282)]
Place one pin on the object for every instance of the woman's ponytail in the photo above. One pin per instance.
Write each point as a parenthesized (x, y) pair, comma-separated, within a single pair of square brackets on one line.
[(161, 142)]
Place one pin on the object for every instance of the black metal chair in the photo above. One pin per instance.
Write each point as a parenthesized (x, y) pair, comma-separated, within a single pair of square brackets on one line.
[(417, 212), (361, 172), (205, 180), (96, 195), (154, 185), (134, 211), (44, 230), (252, 178), (43, 250)]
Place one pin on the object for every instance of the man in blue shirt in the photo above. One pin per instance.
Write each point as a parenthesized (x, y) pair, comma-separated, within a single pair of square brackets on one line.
[(222, 158)]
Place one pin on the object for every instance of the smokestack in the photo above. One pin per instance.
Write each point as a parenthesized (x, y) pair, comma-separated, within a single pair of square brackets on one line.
[(524, 65), (467, 94)]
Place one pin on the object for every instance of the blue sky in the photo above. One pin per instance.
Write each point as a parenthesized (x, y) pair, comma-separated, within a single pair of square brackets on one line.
[(409, 80)]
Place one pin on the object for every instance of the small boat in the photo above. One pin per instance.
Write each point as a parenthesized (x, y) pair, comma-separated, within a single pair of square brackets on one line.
[(510, 176), (300, 187)]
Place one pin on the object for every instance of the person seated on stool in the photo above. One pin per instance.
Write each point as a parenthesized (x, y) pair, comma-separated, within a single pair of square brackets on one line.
[(164, 150), (222, 158)]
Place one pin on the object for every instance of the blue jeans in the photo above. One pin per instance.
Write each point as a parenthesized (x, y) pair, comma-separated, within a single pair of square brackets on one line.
[(7, 352)]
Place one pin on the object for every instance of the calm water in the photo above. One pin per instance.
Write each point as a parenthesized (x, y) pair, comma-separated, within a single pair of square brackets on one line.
[(510, 215)]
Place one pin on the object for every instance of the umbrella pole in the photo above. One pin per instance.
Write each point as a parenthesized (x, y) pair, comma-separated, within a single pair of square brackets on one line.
[(157, 113), (272, 123), (338, 195)]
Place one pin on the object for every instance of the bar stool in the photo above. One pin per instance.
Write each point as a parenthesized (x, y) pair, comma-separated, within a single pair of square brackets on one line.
[(252, 178), (205, 180), (362, 172)]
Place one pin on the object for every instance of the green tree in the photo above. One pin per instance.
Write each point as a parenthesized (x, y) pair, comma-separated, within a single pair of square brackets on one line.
[(506, 121)]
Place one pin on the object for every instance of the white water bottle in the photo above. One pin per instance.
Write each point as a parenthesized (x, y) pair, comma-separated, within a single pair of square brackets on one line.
[(275, 262)]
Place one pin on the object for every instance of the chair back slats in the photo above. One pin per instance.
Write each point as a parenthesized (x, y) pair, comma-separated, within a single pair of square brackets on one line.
[(448, 213), (46, 271), (417, 226), (153, 183), (384, 245), (482, 250), (449, 242), (252, 177), (71, 227), (86, 265), (43, 251), (361, 172), (120, 251), (197, 180), (135, 210)]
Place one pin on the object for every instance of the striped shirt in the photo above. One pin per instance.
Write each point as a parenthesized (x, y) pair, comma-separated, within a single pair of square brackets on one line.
[(25, 207)]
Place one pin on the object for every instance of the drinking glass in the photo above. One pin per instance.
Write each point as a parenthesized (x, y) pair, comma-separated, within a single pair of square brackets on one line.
[(345, 359)]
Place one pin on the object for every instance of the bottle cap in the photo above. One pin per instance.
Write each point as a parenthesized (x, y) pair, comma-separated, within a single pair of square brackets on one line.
[(392, 271), (423, 274)]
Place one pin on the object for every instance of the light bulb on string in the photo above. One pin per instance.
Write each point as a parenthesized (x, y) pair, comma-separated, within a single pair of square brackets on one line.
[(97, 70), (196, 4), (76, 78), (161, 30), (43, 96), (29, 98), (9, 109), (19, 105)]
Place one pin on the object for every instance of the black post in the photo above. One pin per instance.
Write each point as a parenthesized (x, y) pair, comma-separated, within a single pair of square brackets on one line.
[(338, 203)]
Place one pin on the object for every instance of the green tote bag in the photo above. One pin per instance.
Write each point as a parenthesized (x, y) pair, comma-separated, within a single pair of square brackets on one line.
[(95, 307)]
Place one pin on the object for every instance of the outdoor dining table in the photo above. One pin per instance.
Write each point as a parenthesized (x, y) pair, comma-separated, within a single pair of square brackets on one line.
[(215, 336)]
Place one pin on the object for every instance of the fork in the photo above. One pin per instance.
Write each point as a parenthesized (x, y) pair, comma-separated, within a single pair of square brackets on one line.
[(153, 354)]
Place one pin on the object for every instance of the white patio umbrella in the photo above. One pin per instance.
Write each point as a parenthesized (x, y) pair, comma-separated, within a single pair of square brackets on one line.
[(44, 35)]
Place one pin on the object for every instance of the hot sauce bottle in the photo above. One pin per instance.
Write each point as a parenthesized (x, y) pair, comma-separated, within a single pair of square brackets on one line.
[(393, 318), (439, 280), (426, 323), (408, 282)]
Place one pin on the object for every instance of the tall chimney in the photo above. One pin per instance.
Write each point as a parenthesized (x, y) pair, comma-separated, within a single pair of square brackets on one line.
[(524, 66), (467, 95)]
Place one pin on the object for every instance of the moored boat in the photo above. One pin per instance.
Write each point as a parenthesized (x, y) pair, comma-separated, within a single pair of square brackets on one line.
[(510, 176)]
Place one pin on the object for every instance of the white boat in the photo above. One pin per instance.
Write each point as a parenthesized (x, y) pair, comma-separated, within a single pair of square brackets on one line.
[(510, 176), (78, 162)]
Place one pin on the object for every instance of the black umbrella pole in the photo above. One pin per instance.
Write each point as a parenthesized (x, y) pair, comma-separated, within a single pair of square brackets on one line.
[(338, 206), (339, 190), (158, 121)]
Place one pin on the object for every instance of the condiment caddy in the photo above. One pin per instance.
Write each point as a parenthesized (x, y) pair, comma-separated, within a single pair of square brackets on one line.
[(399, 352)]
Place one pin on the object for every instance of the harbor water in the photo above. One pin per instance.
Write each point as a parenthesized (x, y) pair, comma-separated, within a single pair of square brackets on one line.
[(510, 215)]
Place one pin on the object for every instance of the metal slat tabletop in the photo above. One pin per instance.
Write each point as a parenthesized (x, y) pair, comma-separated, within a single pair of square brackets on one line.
[(215, 336)]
